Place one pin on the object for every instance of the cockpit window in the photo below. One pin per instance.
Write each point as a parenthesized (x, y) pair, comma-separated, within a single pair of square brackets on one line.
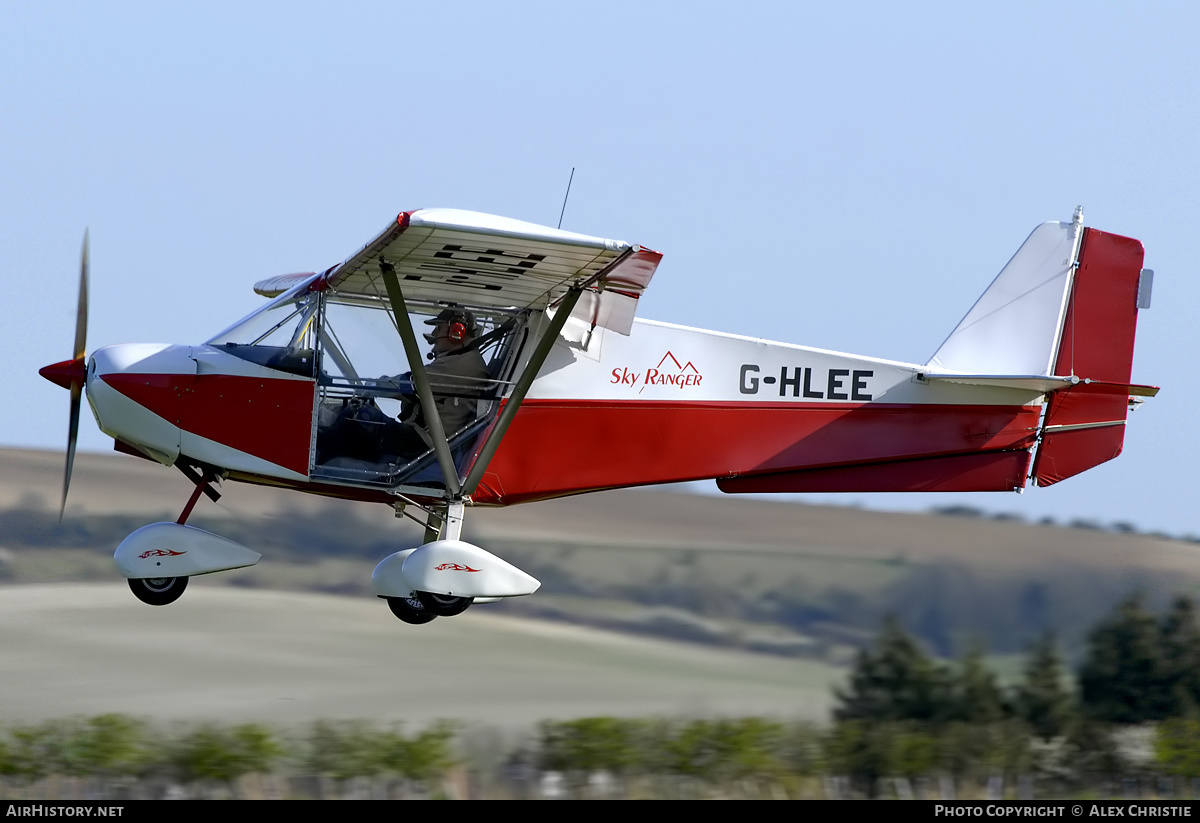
[(280, 335), (371, 428)]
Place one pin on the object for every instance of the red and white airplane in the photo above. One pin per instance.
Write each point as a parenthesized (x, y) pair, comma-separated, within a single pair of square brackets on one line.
[(1033, 384)]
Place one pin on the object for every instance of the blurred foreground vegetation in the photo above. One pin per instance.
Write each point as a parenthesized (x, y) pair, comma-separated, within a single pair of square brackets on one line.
[(905, 725), (116, 757)]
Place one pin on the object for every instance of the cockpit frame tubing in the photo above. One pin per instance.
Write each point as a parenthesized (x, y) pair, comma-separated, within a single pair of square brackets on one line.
[(514, 400), (441, 446)]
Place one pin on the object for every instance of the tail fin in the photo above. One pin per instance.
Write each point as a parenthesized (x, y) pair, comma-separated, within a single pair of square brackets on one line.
[(1015, 325), (1084, 425), (1062, 315)]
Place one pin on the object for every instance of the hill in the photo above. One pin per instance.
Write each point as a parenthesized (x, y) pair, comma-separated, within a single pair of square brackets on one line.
[(784, 577)]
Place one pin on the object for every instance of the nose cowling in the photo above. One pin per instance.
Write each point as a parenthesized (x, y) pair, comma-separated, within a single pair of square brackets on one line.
[(134, 392)]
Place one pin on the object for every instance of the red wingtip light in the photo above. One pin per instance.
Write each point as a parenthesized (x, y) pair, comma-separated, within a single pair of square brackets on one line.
[(66, 373)]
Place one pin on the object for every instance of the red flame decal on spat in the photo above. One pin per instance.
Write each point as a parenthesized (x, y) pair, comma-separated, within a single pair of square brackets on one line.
[(160, 553), (454, 567)]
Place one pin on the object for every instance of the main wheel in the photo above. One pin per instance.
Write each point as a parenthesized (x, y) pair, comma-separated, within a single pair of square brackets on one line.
[(157, 591), (444, 605), (410, 610)]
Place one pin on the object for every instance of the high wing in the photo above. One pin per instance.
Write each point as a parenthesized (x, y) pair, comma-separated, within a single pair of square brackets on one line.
[(450, 255)]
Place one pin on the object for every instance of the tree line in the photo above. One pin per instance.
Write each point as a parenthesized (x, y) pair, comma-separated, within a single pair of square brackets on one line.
[(905, 712), (1137, 667)]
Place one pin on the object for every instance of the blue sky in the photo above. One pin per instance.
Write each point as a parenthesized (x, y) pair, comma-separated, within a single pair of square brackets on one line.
[(849, 176)]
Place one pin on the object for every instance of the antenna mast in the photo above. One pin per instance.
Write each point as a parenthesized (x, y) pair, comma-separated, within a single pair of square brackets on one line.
[(565, 196)]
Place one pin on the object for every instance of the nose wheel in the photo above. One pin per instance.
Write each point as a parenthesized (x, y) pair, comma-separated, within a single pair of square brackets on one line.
[(444, 605), (410, 610), (420, 608), (157, 591)]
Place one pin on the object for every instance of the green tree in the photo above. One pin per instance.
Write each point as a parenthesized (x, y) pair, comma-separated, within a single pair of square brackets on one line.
[(801, 749), (256, 748), (110, 745), (1180, 649), (977, 697), (1043, 699), (1177, 746), (859, 749), (1124, 678), (345, 749), (37, 750), (866, 751), (590, 744), (209, 753), (692, 750), (429, 752), (979, 750), (750, 746), (894, 680)]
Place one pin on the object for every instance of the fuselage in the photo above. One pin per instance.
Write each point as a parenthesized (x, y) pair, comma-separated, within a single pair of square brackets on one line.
[(662, 404)]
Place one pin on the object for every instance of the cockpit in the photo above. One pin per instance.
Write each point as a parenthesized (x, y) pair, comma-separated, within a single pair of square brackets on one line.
[(366, 408)]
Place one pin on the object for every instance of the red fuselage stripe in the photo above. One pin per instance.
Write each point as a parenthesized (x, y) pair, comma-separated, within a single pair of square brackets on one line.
[(269, 419), (563, 447)]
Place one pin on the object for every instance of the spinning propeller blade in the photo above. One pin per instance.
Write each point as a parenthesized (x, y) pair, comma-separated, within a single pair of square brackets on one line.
[(71, 374), (79, 367)]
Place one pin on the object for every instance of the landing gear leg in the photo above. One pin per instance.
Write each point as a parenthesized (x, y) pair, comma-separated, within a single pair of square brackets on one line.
[(444, 523), (159, 591)]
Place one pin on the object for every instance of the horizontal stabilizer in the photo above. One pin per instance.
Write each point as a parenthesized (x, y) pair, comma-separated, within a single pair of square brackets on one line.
[(1033, 382), (1040, 383)]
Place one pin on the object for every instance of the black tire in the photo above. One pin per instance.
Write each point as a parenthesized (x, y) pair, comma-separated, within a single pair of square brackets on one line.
[(444, 605), (157, 591), (410, 610)]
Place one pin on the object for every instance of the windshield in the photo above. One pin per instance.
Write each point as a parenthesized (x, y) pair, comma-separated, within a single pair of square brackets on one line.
[(280, 335), (273, 324)]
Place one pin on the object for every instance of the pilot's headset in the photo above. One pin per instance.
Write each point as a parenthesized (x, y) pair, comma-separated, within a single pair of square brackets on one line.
[(461, 324)]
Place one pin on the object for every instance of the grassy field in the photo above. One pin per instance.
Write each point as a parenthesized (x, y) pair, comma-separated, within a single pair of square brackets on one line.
[(234, 655)]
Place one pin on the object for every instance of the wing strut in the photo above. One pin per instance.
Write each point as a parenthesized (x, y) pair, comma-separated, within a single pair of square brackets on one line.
[(565, 307), (441, 446)]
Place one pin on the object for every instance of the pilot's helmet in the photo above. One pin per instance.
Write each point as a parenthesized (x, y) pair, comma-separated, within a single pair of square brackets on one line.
[(461, 323)]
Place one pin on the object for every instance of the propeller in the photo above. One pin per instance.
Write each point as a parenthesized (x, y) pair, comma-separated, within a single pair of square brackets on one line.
[(71, 374)]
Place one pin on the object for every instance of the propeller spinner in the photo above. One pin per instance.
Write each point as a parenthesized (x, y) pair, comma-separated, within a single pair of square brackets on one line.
[(71, 374)]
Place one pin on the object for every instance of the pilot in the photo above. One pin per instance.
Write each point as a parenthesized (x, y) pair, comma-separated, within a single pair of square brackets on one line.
[(457, 376)]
